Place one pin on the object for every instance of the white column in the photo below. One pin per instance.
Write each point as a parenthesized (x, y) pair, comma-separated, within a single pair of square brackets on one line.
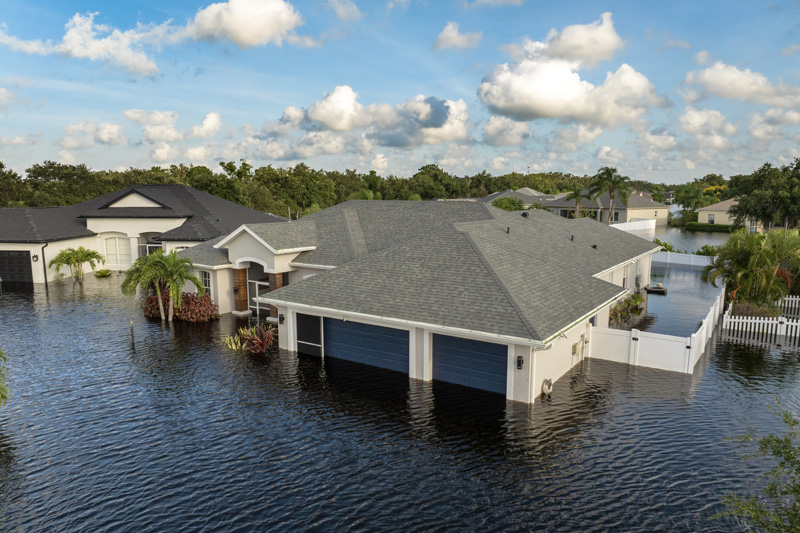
[(134, 248), (427, 356)]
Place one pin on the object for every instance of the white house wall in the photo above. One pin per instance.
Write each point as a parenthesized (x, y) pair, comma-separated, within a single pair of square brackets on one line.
[(173, 245), (659, 214), (221, 287), (50, 251), (558, 360), (133, 227)]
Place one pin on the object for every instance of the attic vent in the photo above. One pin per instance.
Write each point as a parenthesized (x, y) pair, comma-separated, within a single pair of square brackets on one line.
[(525, 214), (594, 246)]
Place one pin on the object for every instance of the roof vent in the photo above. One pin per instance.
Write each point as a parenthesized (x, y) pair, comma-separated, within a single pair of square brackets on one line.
[(508, 229), (594, 246), (572, 237), (525, 214)]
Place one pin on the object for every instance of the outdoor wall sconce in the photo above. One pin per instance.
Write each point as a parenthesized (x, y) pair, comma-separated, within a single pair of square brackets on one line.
[(236, 290), (35, 258), (280, 319), (520, 362)]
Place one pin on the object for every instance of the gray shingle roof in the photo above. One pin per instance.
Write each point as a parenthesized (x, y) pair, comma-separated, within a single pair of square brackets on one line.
[(464, 265), (208, 216), (205, 254), (526, 194), (288, 236), (635, 201)]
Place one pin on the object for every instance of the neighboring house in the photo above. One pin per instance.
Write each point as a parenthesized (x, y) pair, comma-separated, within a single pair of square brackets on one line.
[(454, 291), (639, 207), (526, 194), (718, 214), (121, 225)]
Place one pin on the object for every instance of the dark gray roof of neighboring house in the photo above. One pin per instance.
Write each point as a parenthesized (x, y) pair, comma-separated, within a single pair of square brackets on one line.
[(526, 194), (288, 236), (471, 267), (635, 201), (41, 224), (205, 254), (208, 216)]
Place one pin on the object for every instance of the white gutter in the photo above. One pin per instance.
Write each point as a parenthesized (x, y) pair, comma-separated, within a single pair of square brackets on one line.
[(209, 267), (308, 265), (628, 262), (432, 327)]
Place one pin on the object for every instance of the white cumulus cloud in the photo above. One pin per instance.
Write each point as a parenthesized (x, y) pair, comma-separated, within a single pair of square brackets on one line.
[(86, 134), (451, 38), (157, 126), (607, 154), (727, 81), (246, 23), (709, 127), (503, 131), (210, 126), (345, 9), (339, 110), (379, 163), (588, 44), (163, 153)]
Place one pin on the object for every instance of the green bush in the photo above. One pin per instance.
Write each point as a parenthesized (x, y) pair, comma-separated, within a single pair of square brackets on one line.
[(751, 309), (718, 228), (707, 250), (193, 308), (103, 273), (509, 203), (667, 246)]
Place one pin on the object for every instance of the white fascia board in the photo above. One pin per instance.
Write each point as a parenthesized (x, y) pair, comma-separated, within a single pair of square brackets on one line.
[(308, 265), (449, 330), (209, 267), (294, 250), (554, 337), (628, 262)]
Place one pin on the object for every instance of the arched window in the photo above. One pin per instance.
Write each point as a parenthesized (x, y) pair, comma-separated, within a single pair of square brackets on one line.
[(118, 251)]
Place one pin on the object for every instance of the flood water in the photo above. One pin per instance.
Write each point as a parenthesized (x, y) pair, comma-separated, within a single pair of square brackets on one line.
[(684, 241), (178, 433)]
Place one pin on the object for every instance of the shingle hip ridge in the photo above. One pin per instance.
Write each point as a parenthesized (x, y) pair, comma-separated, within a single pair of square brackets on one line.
[(355, 234), (32, 222), (502, 287)]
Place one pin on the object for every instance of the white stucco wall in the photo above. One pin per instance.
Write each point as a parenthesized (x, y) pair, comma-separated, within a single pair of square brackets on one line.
[(50, 251), (134, 200), (133, 227), (244, 247), (558, 360), (171, 245), (659, 214), (720, 216)]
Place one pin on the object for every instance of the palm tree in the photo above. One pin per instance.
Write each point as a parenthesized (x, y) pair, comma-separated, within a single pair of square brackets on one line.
[(608, 180), (576, 193), (147, 270), (175, 273), (75, 259)]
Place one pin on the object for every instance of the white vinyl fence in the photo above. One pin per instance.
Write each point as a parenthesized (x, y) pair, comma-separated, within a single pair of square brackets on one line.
[(673, 258), (779, 330), (636, 225), (790, 305), (654, 350)]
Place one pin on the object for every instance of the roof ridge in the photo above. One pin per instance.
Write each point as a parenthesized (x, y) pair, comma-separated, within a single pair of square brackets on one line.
[(355, 234), (484, 260), (32, 222)]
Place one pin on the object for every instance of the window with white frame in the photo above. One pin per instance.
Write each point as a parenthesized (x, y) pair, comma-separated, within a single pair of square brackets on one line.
[(711, 218), (205, 277), (118, 251)]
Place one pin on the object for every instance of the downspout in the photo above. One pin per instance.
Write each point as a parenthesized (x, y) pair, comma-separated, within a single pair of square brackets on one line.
[(44, 264)]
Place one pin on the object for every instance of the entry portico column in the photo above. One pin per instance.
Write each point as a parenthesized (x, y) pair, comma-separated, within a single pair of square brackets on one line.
[(241, 306)]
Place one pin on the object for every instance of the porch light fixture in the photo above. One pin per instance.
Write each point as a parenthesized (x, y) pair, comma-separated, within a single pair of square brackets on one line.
[(280, 319), (35, 258), (520, 362), (236, 290)]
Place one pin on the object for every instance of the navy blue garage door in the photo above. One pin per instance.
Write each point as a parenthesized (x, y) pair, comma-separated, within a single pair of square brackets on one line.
[(363, 343), (480, 365)]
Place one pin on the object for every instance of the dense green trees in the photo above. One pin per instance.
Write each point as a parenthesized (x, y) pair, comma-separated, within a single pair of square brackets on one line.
[(509, 203), (770, 195)]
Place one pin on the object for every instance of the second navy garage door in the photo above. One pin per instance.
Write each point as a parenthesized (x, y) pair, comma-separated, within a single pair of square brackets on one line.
[(363, 343), (480, 365)]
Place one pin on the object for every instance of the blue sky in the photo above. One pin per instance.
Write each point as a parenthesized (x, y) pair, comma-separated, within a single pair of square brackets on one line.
[(665, 91)]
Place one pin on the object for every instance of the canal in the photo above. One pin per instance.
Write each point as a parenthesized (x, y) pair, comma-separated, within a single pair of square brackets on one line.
[(178, 433)]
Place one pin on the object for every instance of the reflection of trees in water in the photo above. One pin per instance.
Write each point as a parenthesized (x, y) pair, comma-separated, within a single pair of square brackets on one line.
[(750, 364)]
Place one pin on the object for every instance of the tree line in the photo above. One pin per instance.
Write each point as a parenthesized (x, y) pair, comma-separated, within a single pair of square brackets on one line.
[(297, 190)]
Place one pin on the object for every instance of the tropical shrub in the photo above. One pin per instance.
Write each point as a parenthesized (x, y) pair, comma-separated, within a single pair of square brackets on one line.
[(717, 228), (626, 309), (193, 308), (509, 203), (103, 273), (666, 246), (707, 250), (254, 340), (778, 509), (74, 259)]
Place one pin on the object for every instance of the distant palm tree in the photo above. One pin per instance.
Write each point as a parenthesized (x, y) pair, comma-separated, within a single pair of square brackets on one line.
[(576, 193), (75, 259), (608, 180), (175, 272), (145, 271)]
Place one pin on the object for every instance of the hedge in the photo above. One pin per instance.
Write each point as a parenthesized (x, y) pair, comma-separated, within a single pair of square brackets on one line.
[(719, 228)]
